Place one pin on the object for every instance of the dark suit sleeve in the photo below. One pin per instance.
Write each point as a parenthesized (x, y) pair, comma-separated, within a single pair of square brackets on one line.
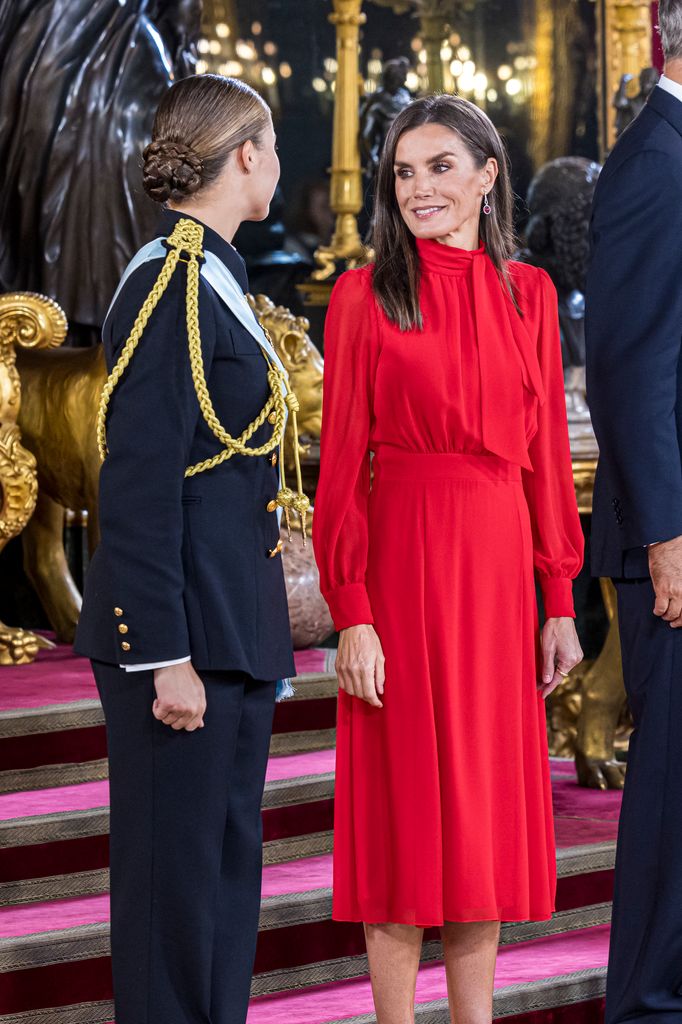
[(634, 333), (151, 424)]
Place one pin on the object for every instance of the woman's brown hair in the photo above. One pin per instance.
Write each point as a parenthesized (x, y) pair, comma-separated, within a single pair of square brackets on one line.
[(200, 121), (396, 271)]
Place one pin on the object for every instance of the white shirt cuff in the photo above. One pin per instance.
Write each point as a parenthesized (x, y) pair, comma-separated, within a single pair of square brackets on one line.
[(155, 664)]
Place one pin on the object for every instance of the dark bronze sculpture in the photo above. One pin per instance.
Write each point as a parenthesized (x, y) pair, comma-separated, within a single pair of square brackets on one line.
[(627, 108), (380, 109), (556, 239), (81, 80), (586, 715)]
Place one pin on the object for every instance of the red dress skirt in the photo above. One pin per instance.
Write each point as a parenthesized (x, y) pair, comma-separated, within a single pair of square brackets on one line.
[(443, 800)]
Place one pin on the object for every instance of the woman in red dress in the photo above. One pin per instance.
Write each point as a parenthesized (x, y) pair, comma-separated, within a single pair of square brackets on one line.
[(443, 359)]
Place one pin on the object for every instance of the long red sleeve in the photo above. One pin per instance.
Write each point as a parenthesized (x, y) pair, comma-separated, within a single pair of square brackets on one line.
[(558, 543), (341, 506)]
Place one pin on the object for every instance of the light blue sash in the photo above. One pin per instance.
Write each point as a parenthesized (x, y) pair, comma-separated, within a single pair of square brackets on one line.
[(225, 285)]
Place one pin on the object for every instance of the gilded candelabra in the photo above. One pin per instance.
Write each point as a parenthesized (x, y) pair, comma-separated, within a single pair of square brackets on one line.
[(346, 174)]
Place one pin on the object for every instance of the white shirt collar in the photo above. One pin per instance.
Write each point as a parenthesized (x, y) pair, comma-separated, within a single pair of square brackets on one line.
[(674, 88)]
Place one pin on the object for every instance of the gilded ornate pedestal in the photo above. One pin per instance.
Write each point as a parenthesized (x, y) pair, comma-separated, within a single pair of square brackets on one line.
[(28, 321)]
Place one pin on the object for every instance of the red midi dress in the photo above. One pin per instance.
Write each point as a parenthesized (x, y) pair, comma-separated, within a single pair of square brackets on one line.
[(443, 806)]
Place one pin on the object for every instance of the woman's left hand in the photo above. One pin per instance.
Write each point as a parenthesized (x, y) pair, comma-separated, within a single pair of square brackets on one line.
[(561, 651)]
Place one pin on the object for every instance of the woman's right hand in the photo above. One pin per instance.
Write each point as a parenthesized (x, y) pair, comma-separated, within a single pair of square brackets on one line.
[(180, 697), (360, 664)]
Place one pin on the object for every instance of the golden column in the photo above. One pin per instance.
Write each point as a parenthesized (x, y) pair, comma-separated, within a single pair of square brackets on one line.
[(346, 180), (434, 19), (626, 41)]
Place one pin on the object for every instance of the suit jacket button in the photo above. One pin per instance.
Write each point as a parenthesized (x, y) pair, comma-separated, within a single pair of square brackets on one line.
[(271, 506), (273, 459), (272, 418), (118, 612), (122, 628), (125, 646)]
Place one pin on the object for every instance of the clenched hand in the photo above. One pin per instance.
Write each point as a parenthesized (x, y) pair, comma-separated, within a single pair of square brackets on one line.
[(180, 697)]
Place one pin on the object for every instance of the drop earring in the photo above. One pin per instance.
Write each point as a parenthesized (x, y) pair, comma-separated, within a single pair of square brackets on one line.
[(486, 205)]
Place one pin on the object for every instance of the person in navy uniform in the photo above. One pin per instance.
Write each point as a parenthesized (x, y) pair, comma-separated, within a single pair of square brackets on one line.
[(185, 612), (634, 388)]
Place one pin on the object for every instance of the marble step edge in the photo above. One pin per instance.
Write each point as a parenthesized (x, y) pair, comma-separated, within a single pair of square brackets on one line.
[(83, 714), (90, 941), (62, 825)]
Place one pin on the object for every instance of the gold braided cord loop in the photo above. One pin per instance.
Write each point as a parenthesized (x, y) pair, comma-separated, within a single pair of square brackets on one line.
[(187, 238), (131, 344)]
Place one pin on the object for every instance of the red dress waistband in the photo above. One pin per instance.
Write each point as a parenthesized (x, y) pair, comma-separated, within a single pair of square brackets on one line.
[(392, 463)]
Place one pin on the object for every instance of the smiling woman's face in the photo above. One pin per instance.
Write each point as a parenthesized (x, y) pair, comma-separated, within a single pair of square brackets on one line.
[(438, 186)]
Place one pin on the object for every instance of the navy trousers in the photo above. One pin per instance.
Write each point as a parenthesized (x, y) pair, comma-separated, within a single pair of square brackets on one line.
[(645, 967), (186, 848)]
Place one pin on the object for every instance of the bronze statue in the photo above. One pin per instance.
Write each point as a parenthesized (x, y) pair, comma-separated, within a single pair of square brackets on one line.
[(587, 715), (81, 81), (556, 239), (627, 108), (380, 109)]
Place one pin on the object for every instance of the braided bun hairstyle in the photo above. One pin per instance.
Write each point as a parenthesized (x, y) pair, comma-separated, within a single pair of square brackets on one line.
[(201, 120), (172, 170)]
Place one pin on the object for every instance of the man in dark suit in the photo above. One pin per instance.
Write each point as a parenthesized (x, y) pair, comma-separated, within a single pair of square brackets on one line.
[(634, 372)]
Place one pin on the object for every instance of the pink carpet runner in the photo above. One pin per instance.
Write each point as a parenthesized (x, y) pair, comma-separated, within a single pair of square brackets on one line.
[(59, 677), (525, 962)]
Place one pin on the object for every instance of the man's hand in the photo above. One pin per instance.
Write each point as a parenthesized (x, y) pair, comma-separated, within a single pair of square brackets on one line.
[(181, 698), (665, 565), (360, 664), (561, 651)]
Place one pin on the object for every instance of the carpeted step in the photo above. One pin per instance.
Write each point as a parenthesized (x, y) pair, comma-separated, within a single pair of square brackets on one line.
[(556, 970), (52, 725), (55, 947), (299, 946), (54, 842)]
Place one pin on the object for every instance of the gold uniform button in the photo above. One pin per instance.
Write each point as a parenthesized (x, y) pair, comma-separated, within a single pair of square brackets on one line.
[(273, 460), (118, 612), (272, 418), (271, 506), (125, 646), (123, 628)]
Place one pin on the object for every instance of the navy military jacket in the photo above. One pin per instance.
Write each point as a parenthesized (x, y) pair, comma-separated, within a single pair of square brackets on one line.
[(634, 341), (183, 566)]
